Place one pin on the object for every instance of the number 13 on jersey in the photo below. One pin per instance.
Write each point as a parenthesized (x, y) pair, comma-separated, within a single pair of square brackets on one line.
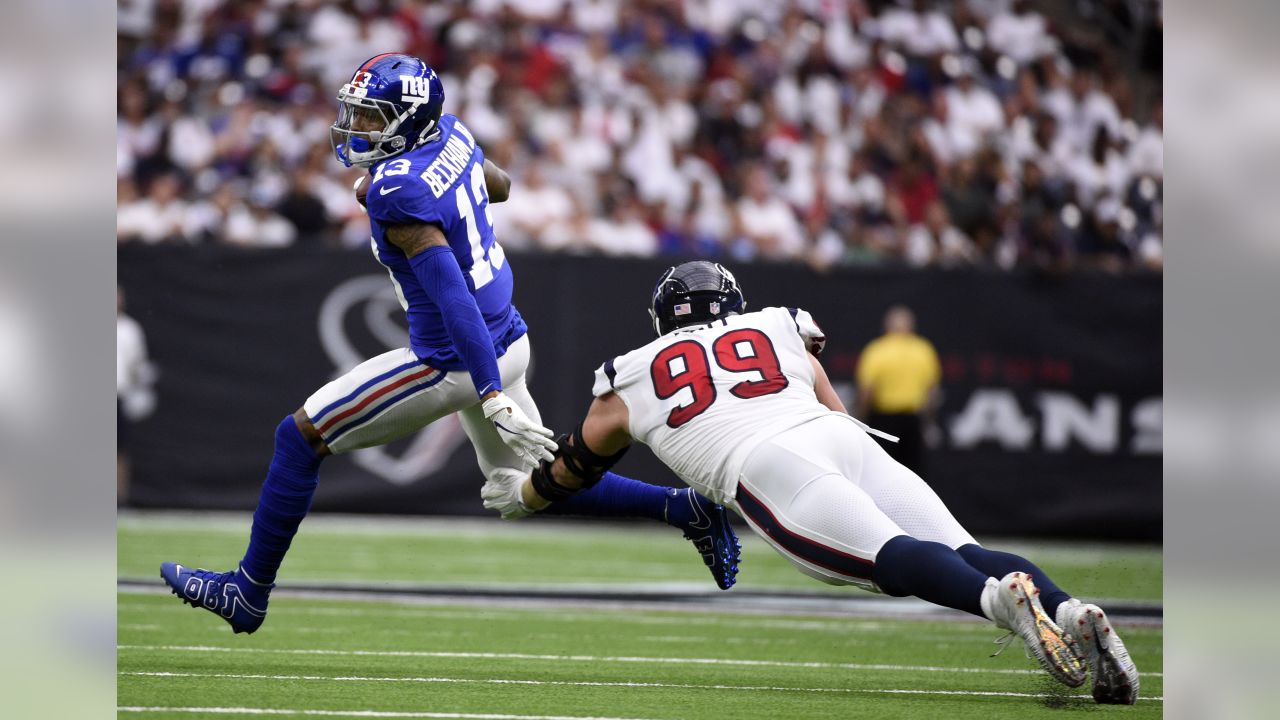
[(483, 264)]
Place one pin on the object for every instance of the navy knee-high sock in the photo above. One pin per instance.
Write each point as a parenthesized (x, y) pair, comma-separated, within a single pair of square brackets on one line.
[(930, 571), (997, 564), (286, 497), (615, 496)]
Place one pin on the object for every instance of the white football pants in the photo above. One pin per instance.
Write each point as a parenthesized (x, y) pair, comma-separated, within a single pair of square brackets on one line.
[(827, 498), (395, 394)]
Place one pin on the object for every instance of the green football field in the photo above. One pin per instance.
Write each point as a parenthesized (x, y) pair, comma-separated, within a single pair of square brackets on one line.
[(425, 618)]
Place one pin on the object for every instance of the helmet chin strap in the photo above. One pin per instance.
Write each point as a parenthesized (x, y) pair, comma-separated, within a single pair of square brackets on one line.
[(394, 142), (429, 133)]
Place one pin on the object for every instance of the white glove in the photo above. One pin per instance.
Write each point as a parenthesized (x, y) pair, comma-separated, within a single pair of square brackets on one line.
[(503, 492), (528, 439)]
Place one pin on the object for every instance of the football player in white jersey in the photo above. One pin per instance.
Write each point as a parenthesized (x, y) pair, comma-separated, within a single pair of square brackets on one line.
[(738, 406)]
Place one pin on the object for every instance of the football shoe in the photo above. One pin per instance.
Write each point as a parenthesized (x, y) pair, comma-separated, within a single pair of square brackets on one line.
[(229, 595), (1016, 607), (706, 525), (1115, 678)]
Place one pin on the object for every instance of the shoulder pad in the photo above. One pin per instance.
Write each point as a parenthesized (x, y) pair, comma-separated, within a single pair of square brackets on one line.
[(398, 196), (815, 339), (606, 378)]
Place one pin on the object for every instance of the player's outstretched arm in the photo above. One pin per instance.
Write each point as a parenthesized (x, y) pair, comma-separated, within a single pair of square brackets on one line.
[(437, 269), (605, 429), (823, 388), (583, 458), (496, 182)]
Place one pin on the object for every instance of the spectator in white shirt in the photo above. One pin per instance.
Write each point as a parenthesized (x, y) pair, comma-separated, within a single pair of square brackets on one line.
[(206, 219), (258, 225), (297, 130), (1020, 33), (1081, 109), (624, 232), (697, 191), (157, 218), (766, 221), (1101, 172), (191, 145), (572, 234), (595, 16), (534, 205), (1146, 155), (537, 10), (137, 131), (937, 131), (858, 189), (1036, 139), (922, 30), (937, 242), (597, 72), (869, 96), (973, 113), (847, 44)]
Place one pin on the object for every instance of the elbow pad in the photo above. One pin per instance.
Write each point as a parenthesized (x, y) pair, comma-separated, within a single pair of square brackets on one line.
[(579, 460)]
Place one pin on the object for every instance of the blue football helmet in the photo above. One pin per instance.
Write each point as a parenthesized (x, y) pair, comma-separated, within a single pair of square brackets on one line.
[(694, 293), (392, 104)]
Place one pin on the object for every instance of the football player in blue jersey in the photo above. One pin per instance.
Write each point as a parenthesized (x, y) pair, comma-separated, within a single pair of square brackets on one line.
[(428, 203)]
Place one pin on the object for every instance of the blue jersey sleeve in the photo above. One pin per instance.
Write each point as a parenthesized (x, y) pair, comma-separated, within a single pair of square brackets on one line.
[(398, 196), (442, 278)]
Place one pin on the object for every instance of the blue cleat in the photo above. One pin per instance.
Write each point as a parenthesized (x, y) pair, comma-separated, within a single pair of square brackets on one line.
[(231, 595), (706, 525)]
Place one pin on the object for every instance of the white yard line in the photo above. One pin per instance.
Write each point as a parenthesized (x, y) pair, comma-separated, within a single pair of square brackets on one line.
[(597, 615), (382, 525), (619, 601), (451, 527), (351, 713), (590, 658), (579, 683)]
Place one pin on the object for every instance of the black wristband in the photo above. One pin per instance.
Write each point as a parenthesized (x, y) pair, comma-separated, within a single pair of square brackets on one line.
[(547, 487)]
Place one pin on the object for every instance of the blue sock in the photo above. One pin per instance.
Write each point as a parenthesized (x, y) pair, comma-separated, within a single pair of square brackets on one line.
[(616, 496), (286, 496), (997, 564), (930, 571)]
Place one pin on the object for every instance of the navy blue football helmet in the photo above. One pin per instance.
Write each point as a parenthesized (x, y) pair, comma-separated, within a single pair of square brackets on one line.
[(392, 104), (694, 293)]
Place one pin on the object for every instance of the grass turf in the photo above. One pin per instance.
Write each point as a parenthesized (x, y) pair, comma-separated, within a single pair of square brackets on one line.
[(405, 660), (536, 552)]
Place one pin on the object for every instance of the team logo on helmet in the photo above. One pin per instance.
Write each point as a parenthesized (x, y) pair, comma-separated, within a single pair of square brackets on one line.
[(392, 104), (414, 88), (693, 293)]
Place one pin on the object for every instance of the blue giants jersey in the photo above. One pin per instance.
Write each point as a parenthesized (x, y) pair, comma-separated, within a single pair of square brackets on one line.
[(442, 183)]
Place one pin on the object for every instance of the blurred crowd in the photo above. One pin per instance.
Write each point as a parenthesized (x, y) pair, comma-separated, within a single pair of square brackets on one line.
[(831, 132)]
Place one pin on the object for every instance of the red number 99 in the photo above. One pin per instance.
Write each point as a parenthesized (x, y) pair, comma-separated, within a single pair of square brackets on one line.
[(696, 375)]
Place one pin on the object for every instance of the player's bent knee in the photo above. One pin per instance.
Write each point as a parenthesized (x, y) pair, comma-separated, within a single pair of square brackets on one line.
[(892, 555), (303, 424)]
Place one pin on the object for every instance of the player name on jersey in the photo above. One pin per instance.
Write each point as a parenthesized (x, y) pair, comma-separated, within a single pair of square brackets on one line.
[(453, 159)]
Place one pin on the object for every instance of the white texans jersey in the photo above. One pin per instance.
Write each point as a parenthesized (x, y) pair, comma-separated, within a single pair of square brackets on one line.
[(704, 396)]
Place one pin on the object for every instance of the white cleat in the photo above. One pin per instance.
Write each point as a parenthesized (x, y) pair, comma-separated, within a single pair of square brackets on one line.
[(1016, 608), (1115, 678)]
